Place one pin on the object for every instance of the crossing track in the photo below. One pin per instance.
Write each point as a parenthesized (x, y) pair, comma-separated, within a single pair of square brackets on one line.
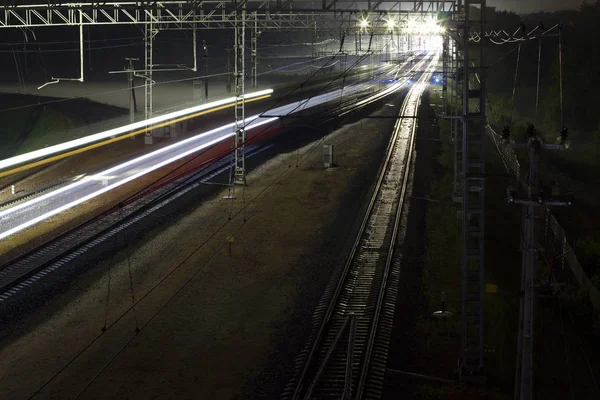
[(346, 355)]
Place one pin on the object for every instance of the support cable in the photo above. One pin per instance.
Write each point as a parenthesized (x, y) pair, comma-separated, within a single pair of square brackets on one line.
[(560, 73), (131, 290), (112, 256), (243, 209), (512, 106), (537, 90), (170, 273)]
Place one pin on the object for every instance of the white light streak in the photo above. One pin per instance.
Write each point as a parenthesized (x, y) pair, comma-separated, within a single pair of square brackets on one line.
[(105, 189), (59, 148)]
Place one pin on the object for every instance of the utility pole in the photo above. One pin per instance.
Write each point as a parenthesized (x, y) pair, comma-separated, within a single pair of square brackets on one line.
[(149, 33), (446, 62), (254, 50), (228, 70), (472, 177), (205, 69), (132, 102), (532, 204), (239, 177)]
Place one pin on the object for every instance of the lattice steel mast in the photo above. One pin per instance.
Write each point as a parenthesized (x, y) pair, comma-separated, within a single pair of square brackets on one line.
[(473, 192), (239, 176)]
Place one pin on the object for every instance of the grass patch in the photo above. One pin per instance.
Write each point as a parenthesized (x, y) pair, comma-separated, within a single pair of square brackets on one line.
[(11, 129), (53, 127), (442, 272)]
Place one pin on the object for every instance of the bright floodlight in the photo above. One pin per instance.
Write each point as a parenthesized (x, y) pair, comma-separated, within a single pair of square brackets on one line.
[(431, 27), (391, 23), (364, 23), (428, 26)]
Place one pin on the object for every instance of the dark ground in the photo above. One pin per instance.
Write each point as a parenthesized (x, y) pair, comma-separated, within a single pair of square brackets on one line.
[(323, 250)]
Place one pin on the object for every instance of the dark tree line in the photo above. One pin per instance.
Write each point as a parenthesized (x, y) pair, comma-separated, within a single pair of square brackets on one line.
[(580, 68)]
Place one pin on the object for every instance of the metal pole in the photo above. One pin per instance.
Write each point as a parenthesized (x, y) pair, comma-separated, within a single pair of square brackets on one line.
[(445, 60), (239, 72), (130, 74), (473, 198), (537, 90), (195, 68), (205, 48), (560, 73), (530, 256), (148, 39), (228, 70), (81, 45), (530, 242), (254, 50)]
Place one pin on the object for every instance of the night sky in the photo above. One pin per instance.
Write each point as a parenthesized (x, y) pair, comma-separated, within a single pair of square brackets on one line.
[(521, 6)]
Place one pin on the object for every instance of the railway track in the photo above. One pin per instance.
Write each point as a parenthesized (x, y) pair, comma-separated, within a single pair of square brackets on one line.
[(24, 271), (28, 268), (18, 274), (346, 355)]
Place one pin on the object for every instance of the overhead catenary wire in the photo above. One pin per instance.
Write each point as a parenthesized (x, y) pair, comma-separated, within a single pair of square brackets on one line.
[(91, 95), (512, 106), (73, 50), (141, 191), (223, 243), (113, 91), (537, 89), (39, 42), (112, 255), (560, 73), (96, 338), (293, 64), (120, 39)]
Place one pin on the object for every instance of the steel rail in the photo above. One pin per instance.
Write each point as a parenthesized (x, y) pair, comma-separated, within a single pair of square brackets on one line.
[(346, 269), (22, 268), (324, 327), (83, 237), (391, 253)]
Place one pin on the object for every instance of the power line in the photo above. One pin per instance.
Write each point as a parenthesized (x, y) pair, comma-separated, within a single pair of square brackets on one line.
[(170, 272), (72, 50), (209, 258), (71, 41), (124, 89)]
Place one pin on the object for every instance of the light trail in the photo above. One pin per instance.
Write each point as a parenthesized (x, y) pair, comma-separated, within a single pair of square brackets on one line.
[(145, 124), (103, 178), (34, 211), (118, 138)]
